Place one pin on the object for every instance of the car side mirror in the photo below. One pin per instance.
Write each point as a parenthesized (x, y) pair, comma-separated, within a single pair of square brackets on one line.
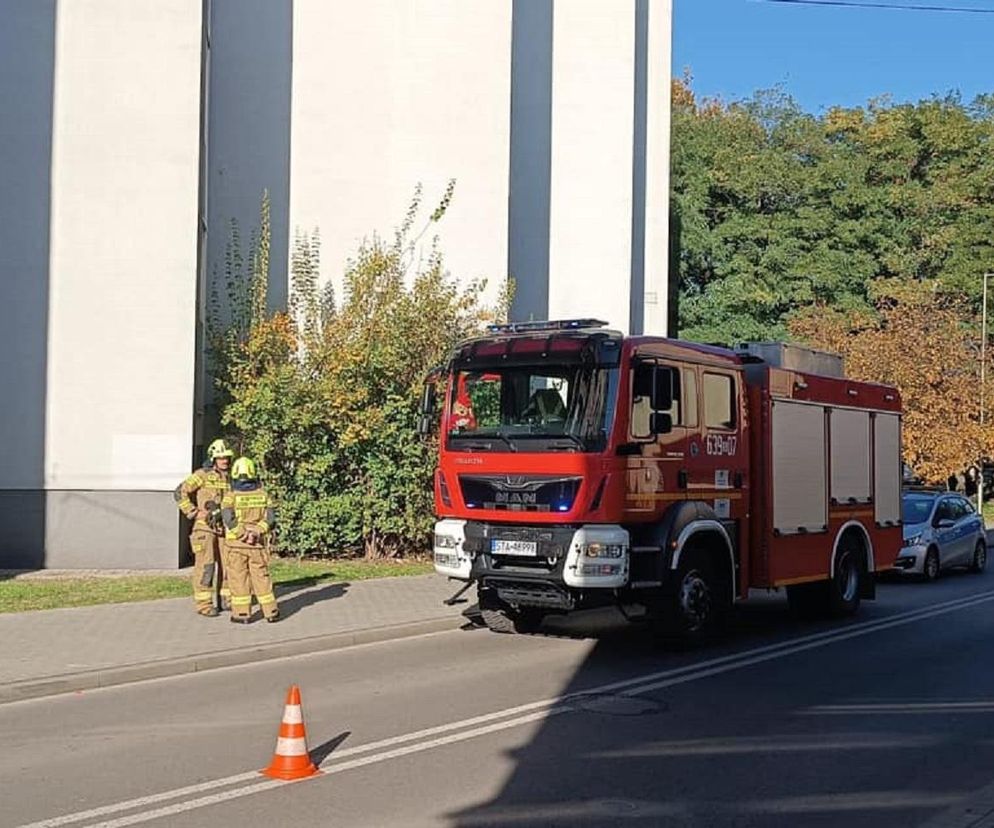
[(661, 423), (945, 523)]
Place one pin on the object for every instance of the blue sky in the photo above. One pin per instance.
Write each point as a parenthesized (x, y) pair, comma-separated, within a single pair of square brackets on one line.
[(827, 56)]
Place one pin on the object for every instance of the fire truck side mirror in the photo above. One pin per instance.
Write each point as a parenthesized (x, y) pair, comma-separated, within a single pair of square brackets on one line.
[(662, 390), (429, 410), (661, 423)]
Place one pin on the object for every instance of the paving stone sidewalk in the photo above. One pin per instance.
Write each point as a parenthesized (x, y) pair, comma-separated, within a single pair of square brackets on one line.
[(61, 650)]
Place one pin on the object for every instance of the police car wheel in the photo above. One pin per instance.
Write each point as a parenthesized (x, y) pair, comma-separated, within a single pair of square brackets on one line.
[(979, 557), (931, 567)]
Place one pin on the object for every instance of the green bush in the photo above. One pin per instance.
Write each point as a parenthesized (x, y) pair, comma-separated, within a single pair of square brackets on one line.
[(326, 397)]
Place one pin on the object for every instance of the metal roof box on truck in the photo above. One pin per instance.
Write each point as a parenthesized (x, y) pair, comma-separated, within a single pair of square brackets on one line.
[(579, 467), (796, 358)]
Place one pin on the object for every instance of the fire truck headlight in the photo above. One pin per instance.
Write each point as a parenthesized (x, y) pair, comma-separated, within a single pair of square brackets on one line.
[(597, 557), (603, 550), (450, 556)]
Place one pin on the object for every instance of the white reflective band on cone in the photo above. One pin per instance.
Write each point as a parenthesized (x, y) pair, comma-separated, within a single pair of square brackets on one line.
[(292, 714), (291, 747)]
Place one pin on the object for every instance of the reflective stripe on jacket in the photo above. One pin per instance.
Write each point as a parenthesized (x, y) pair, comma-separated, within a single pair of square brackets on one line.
[(194, 493), (246, 511)]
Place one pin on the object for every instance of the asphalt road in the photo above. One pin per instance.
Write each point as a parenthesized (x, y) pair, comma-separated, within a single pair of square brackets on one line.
[(887, 720)]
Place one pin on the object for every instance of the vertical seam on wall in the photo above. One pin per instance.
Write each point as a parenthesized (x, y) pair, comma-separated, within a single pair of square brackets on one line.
[(636, 300), (531, 106)]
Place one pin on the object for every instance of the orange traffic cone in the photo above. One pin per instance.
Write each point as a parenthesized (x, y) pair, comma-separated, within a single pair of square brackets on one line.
[(291, 759)]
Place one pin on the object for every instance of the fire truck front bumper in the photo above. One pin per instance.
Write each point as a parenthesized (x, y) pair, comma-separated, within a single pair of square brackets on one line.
[(553, 566)]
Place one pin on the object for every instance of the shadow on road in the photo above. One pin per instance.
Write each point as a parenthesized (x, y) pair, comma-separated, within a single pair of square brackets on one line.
[(303, 592), (877, 731), (325, 749)]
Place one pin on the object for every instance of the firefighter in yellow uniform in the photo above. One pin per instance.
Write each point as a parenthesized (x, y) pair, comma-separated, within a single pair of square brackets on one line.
[(199, 497), (249, 520)]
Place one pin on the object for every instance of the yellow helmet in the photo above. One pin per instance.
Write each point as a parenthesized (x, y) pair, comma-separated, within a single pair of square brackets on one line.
[(218, 448), (244, 469)]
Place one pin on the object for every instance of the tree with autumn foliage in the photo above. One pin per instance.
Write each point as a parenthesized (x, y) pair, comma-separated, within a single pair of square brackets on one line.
[(326, 395), (925, 342)]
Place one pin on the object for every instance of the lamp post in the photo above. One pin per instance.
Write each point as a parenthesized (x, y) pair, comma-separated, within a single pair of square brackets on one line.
[(983, 381)]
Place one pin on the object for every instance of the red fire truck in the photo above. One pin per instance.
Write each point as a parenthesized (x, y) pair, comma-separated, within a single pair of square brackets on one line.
[(580, 468)]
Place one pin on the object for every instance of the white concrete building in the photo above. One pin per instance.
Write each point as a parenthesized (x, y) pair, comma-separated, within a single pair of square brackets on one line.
[(134, 131)]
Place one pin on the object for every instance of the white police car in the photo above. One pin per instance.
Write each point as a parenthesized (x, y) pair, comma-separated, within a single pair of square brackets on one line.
[(941, 530)]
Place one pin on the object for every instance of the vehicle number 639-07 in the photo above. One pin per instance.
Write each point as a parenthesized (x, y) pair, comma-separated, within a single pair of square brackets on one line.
[(722, 445)]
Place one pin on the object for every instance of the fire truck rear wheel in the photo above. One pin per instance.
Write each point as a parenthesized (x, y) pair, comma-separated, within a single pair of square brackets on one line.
[(844, 588)]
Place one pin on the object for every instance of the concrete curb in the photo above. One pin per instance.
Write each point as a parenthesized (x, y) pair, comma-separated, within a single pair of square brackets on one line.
[(126, 674)]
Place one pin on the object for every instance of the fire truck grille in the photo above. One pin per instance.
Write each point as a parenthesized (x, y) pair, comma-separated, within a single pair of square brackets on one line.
[(512, 493)]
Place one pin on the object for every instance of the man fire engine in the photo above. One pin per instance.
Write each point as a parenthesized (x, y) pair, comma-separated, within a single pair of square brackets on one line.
[(579, 468)]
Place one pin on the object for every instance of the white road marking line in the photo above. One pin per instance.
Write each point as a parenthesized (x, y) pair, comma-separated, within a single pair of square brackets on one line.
[(191, 804), (543, 709), (902, 707), (869, 626), (142, 801), (843, 635)]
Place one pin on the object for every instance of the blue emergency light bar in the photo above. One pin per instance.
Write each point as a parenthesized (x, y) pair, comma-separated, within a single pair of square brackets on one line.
[(547, 325)]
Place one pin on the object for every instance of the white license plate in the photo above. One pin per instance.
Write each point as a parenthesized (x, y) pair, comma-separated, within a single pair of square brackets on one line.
[(513, 547)]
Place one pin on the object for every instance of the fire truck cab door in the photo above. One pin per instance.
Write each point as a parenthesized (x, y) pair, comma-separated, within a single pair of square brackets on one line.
[(656, 475), (718, 455)]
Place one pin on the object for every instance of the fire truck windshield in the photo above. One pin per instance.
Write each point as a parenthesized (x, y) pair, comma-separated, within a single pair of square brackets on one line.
[(532, 408)]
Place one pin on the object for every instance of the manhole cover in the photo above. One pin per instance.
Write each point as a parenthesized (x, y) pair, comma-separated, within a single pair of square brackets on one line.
[(612, 704)]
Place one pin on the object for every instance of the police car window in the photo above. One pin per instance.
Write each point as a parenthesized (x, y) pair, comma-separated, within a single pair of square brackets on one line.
[(960, 508), (945, 510), (967, 507), (719, 401)]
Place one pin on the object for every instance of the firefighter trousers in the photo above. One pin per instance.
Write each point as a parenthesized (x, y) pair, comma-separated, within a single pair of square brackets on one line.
[(206, 548), (248, 574)]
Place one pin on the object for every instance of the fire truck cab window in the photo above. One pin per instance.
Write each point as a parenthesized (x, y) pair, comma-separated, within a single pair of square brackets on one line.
[(655, 390), (555, 407), (689, 398), (719, 401)]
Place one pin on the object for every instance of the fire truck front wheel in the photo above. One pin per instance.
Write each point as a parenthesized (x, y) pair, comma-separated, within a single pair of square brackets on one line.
[(697, 602), (501, 618)]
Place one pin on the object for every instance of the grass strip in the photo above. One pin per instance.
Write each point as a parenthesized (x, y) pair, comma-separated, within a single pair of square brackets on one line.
[(25, 594)]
